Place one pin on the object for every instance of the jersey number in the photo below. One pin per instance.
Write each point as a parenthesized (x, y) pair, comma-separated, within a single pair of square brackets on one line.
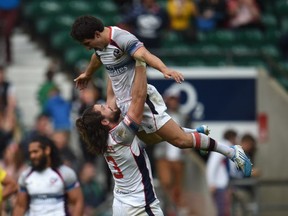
[(119, 173)]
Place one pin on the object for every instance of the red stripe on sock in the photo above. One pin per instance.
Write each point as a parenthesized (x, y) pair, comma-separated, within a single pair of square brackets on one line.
[(198, 140)]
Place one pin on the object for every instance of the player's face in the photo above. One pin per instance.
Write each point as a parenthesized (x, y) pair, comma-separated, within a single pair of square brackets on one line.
[(110, 114), (97, 42), (37, 156)]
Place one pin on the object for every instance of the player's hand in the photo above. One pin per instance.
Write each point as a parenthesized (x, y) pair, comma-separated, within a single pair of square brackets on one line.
[(82, 81), (177, 76)]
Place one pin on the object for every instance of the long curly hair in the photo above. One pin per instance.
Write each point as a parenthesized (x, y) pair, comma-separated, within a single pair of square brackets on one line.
[(93, 133)]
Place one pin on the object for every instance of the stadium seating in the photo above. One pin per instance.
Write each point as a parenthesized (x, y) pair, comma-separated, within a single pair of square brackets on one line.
[(51, 20)]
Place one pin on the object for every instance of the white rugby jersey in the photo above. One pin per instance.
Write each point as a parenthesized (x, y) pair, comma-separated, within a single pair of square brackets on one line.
[(119, 63), (129, 165), (47, 190)]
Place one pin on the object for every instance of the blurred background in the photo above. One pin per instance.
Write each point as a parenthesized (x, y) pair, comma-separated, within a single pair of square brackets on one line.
[(233, 54)]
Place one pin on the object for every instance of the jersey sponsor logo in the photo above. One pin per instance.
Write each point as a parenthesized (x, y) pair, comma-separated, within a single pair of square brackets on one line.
[(53, 180), (116, 71), (118, 191), (117, 53)]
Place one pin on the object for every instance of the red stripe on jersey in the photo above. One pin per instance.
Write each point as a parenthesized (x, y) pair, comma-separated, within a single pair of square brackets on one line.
[(110, 33)]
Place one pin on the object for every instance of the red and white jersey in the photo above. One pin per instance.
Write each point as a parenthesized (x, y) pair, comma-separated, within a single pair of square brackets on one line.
[(47, 190), (129, 165)]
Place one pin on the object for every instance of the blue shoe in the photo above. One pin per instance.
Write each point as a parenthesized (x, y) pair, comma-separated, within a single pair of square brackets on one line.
[(242, 161), (203, 129)]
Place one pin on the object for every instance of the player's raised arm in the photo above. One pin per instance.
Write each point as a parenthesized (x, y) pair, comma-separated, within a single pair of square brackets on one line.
[(83, 79), (139, 93), (143, 54), (110, 96)]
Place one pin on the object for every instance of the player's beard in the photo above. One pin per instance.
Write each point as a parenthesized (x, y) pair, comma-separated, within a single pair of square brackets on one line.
[(117, 114), (42, 164)]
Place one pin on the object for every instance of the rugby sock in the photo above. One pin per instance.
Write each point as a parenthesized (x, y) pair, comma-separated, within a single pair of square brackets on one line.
[(203, 142)]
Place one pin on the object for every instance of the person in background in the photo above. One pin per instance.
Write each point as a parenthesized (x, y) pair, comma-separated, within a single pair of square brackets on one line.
[(9, 11), (170, 159), (13, 162), (8, 186), (45, 88), (42, 126), (61, 138), (244, 195), (218, 175), (8, 105), (7, 94), (59, 110), (244, 14), (47, 186), (94, 193), (182, 15), (147, 20), (212, 14)]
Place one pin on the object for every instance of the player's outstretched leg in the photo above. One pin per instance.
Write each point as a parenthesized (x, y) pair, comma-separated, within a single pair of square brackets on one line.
[(242, 161)]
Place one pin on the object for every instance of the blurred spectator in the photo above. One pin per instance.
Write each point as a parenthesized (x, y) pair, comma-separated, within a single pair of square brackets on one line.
[(249, 145), (6, 134), (8, 186), (42, 127), (58, 109), (14, 163), (170, 159), (146, 21), (7, 110), (98, 81), (218, 175), (7, 95), (61, 140), (13, 160), (46, 87), (90, 96), (244, 196), (212, 14), (182, 14), (244, 14), (93, 193), (9, 10)]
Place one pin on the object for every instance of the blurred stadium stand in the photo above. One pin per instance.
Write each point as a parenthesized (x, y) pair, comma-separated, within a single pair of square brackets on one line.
[(49, 21)]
